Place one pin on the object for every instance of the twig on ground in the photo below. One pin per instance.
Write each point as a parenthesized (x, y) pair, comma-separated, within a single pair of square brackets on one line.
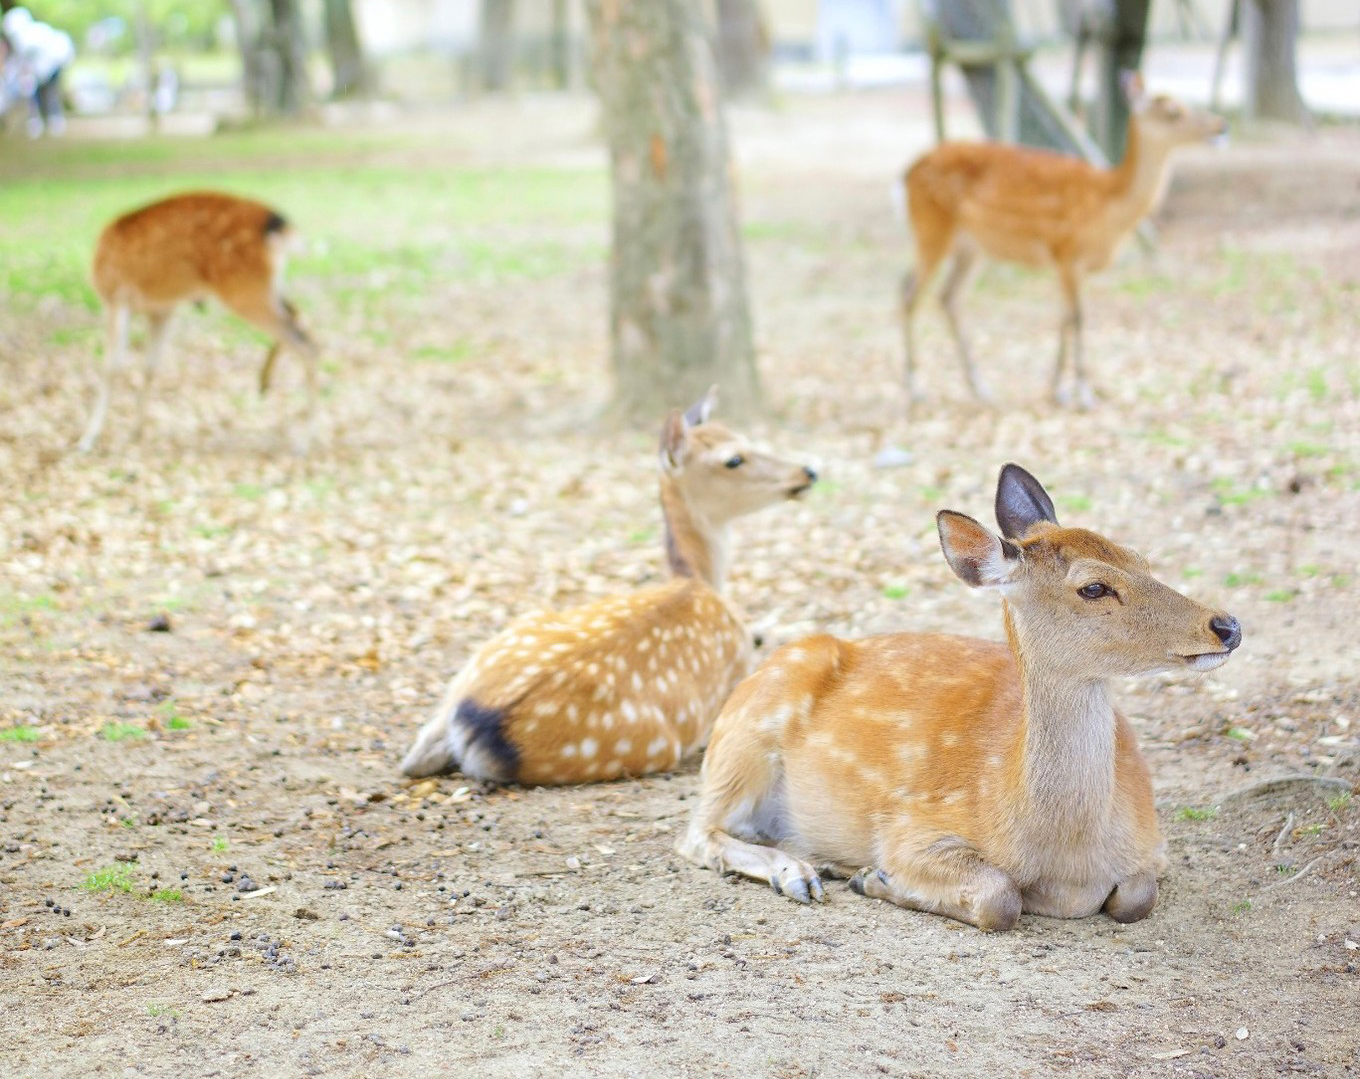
[(1285, 832), (1296, 876)]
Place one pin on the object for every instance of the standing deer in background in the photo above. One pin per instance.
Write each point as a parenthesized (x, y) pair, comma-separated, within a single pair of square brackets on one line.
[(629, 684), (187, 248), (973, 779), (1038, 208)]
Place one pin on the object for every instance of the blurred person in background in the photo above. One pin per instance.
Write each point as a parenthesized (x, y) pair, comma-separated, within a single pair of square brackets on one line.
[(37, 54)]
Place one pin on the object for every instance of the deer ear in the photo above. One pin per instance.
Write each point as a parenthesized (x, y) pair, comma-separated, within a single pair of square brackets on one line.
[(699, 412), (1131, 82), (1021, 502), (979, 558), (674, 434)]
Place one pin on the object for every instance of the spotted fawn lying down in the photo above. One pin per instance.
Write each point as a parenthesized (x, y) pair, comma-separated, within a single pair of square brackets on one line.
[(188, 248), (629, 684), (973, 779)]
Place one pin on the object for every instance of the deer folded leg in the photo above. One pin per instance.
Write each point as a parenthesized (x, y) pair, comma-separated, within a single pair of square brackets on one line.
[(947, 877), (1133, 899), (725, 854)]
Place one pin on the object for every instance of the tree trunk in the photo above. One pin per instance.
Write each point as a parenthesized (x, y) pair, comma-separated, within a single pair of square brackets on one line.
[(559, 45), (679, 319), (349, 72), (287, 41), (1270, 31), (245, 16), (497, 44), (743, 48), (1120, 51)]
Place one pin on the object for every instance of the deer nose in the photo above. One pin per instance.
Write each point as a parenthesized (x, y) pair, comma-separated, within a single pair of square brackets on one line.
[(810, 473), (1227, 629)]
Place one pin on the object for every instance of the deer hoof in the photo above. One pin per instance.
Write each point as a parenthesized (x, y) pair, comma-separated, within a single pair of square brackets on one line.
[(870, 882), (803, 886)]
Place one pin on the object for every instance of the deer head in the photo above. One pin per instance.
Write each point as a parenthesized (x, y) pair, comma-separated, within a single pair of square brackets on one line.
[(1085, 605)]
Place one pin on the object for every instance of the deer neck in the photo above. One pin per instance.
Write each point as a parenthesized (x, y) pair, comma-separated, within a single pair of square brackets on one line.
[(695, 546), (1065, 742), (1140, 179)]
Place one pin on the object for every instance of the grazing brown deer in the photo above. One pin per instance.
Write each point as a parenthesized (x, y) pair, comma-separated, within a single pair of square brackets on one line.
[(1037, 208), (629, 684), (964, 777), (186, 248)]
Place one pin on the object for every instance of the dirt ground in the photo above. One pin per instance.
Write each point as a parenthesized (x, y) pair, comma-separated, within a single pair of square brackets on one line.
[(310, 611)]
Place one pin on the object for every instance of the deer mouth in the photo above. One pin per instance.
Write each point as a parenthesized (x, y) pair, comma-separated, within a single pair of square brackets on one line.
[(1206, 661)]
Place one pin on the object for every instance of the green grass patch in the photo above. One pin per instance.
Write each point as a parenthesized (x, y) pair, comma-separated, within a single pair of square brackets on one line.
[(1231, 495), (252, 492), (113, 878), (896, 591), (1197, 813), (1237, 580), (158, 1010), (1340, 803), (1239, 734), (166, 895), (1241, 907), (456, 352), (20, 734), (115, 731), (1280, 595), (219, 844), (170, 716)]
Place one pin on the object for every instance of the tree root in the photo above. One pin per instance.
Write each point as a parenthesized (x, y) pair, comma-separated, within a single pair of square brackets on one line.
[(1281, 784)]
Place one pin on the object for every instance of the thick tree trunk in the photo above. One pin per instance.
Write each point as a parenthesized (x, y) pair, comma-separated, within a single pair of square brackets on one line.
[(349, 72), (287, 41), (1270, 31), (497, 45), (679, 317), (246, 17), (743, 48)]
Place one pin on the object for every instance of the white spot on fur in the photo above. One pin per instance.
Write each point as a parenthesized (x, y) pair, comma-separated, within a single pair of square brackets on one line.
[(589, 747)]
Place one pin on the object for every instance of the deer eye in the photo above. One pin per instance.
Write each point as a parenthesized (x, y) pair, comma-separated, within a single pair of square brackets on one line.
[(735, 461), (1094, 590)]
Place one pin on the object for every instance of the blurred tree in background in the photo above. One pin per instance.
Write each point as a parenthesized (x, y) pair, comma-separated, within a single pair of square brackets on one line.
[(679, 317), (349, 71), (272, 40), (1270, 30), (743, 48)]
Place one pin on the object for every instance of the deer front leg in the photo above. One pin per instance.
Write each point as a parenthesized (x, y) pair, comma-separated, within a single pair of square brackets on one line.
[(955, 282), (725, 854), (1133, 899), (947, 877)]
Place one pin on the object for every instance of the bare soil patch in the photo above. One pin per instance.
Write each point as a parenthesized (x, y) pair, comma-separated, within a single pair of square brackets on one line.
[(315, 608)]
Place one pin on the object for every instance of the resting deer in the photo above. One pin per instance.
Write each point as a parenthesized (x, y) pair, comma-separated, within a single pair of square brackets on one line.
[(629, 684), (187, 248), (973, 779), (1037, 208)]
